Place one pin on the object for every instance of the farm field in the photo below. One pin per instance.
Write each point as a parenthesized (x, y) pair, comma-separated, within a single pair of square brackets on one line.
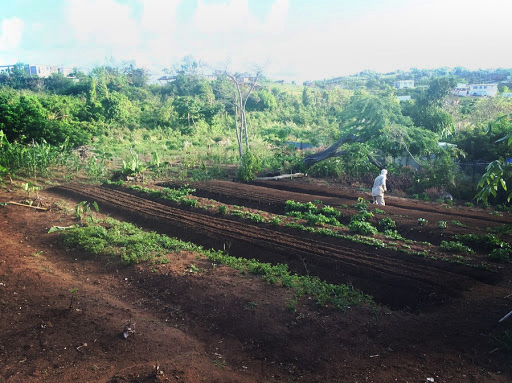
[(433, 315)]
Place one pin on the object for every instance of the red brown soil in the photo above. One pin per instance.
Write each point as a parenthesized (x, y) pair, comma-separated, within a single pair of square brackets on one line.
[(220, 326)]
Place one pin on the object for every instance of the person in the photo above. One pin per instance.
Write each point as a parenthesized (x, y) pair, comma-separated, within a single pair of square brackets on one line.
[(379, 187)]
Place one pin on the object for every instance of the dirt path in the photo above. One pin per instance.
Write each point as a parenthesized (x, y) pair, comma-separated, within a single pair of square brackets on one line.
[(219, 326)]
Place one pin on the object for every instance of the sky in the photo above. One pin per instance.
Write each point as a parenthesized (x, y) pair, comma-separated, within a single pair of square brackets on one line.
[(287, 39)]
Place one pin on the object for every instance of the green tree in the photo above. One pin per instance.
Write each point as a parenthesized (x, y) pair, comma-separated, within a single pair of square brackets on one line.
[(498, 176)]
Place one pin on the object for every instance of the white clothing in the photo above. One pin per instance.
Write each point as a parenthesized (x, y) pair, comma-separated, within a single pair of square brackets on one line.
[(379, 187)]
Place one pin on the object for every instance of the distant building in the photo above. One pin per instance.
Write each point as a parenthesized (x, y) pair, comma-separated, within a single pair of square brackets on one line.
[(38, 70), (404, 84), (483, 90), (166, 79), (461, 90)]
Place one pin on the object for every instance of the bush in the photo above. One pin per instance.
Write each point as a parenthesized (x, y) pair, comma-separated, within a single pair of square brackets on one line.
[(251, 165)]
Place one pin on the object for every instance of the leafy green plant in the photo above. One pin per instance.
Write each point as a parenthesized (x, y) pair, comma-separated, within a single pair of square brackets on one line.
[(134, 166), (486, 241), (422, 221), (362, 227), (30, 187), (363, 216), (361, 205), (223, 209), (442, 224), (500, 255), (84, 207), (387, 224), (189, 202), (455, 247), (457, 223)]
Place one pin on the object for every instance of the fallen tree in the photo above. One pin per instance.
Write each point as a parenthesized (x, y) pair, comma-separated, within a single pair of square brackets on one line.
[(332, 151)]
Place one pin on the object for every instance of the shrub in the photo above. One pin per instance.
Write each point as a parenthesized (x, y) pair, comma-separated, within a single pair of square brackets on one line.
[(250, 166)]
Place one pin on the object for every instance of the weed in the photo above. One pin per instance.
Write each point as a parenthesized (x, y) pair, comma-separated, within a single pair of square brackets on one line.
[(193, 269)]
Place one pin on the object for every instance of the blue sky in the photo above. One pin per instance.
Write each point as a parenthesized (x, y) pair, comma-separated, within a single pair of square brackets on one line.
[(289, 39)]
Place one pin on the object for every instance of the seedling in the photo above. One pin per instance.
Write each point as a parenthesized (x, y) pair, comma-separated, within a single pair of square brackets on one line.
[(30, 187), (422, 221), (84, 207)]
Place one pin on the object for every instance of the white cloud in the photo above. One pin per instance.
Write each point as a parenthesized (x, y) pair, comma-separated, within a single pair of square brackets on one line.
[(102, 22), (11, 33), (223, 17), (278, 16)]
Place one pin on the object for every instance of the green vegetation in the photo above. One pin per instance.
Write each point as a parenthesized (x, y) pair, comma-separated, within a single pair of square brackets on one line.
[(455, 247), (442, 224), (364, 228), (387, 224), (314, 215), (176, 195), (211, 128), (132, 245)]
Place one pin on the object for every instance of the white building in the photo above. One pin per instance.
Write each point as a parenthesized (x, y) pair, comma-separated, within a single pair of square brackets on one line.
[(483, 90), (38, 70), (404, 84), (461, 90)]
